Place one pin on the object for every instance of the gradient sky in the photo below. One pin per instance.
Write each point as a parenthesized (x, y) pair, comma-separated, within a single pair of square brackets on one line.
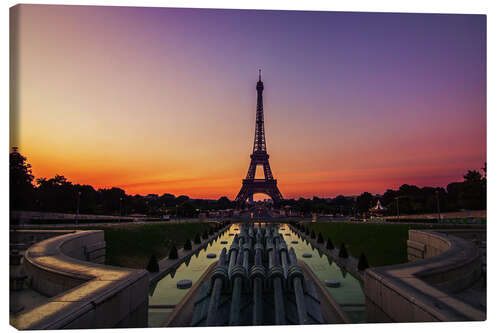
[(157, 100)]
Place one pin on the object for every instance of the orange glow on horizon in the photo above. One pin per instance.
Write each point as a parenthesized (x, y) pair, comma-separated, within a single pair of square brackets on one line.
[(206, 186), (163, 100)]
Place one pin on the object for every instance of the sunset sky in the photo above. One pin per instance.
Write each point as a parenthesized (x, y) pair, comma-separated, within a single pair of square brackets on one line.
[(162, 100)]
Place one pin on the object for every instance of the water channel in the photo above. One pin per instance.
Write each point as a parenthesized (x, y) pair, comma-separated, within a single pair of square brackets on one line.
[(349, 295)]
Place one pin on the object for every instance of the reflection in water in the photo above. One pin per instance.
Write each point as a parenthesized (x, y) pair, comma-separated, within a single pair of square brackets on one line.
[(350, 295), (166, 293)]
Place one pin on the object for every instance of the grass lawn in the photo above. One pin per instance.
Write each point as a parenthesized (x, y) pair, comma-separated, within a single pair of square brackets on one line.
[(131, 245), (383, 244)]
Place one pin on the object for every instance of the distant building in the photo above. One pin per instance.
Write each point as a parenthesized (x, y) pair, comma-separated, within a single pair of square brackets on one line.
[(378, 210), (221, 213)]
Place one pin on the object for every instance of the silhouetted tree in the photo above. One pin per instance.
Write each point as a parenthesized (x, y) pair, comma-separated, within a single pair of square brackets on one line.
[(224, 203), (173, 253), (187, 209), (364, 202), (137, 205), (153, 265), (181, 199), (168, 200), (188, 245), (469, 194), (56, 195), (111, 202), (362, 262), (20, 181), (320, 239), (473, 176), (329, 244), (305, 206), (197, 239), (88, 198), (343, 251)]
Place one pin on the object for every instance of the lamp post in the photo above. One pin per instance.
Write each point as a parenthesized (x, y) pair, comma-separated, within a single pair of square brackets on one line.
[(439, 210), (120, 212), (397, 207), (77, 206)]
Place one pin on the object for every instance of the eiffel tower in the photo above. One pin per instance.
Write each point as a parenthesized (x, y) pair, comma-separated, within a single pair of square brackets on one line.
[(251, 185)]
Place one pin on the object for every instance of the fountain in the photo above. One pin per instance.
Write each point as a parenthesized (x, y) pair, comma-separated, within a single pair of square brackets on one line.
[(257, 281)]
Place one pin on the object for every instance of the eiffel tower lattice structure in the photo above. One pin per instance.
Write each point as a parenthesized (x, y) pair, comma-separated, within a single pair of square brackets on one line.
[(251, 185)]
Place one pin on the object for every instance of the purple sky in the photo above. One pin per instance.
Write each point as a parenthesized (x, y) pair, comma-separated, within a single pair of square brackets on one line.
[(352, 101)]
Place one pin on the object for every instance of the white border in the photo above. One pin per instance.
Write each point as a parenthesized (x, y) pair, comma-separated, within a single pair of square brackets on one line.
[(490, 8)]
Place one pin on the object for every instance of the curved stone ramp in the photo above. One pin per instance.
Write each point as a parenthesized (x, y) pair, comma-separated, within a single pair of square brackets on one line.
[(84, 294), (422, 290)]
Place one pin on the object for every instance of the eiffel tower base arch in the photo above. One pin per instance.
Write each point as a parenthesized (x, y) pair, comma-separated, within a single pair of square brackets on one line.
[(254, 186)]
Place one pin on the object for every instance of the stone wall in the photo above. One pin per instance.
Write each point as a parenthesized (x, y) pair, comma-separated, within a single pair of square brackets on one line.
[(24, 216), (25, 238), (84, 293), (422, 289), (447, 215)]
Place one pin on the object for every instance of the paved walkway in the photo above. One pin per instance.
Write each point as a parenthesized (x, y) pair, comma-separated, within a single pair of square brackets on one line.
[(446, 215), (104, 224)]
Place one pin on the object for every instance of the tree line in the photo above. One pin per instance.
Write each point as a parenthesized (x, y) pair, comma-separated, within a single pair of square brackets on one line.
[(469, 194), (58, 194)]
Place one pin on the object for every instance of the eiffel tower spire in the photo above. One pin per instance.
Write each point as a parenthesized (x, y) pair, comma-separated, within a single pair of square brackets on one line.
[(259, 143), (268, 185)]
